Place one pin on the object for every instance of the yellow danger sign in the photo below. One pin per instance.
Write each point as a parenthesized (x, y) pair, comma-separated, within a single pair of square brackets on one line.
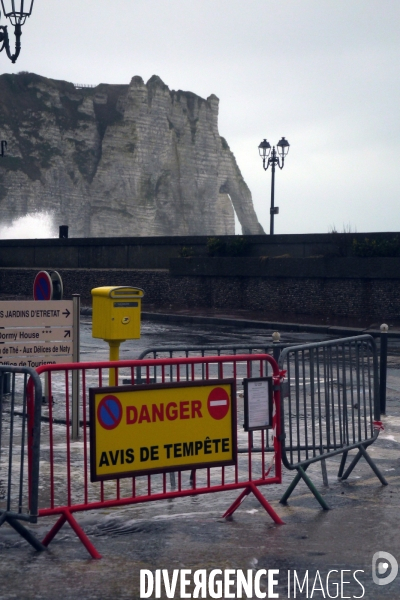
[(144, 429)]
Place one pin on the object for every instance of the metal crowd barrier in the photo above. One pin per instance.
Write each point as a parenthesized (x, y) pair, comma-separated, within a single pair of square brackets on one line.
[(208, 350), (20, 408), (65, 487), (212, 350), (330, 406), (273, 348)]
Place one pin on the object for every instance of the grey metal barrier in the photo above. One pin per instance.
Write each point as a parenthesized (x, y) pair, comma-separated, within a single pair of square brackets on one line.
[(273, 348), (209, 350), (155, 375), (383, 366), (19, 449), (330, 406)]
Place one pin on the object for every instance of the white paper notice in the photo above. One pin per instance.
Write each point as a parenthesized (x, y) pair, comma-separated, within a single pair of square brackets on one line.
[(258, 404)]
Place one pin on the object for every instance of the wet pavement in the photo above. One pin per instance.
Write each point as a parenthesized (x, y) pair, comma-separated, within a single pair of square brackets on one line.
[(189, 533), (156, 333)]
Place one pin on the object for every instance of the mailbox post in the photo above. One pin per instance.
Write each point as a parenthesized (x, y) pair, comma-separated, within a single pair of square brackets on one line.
[(116, 317)]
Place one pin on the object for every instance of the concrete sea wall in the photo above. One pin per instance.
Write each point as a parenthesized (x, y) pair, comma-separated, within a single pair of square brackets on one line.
[(155, 252), (271, 281)]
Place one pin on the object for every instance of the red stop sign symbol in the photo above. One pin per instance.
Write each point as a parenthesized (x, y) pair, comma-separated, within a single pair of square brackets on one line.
[(218, 403)]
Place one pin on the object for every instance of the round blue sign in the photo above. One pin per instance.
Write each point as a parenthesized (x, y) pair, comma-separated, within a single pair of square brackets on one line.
[(42, 286), (109, 412)]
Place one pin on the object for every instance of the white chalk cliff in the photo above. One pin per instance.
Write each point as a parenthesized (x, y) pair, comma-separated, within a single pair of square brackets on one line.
[(118, 160)]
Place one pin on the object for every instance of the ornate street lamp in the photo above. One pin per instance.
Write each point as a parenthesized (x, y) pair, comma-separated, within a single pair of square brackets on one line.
[(274, 160), (17, 11)]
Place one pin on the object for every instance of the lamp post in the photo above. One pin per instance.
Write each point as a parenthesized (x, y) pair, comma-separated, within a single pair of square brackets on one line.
[(274, 160), (17, 11)]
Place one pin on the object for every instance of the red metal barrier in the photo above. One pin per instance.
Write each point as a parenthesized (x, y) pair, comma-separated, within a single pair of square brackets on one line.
[(65, 485)]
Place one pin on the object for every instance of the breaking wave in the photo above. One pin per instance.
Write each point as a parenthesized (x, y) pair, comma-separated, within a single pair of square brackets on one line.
[(33, 226)]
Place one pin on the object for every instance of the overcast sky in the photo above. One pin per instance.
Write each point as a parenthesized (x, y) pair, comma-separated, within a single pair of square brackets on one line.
[(322, 73)]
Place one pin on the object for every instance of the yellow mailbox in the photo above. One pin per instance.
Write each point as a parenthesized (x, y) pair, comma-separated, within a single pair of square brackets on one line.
[(116, 313), (116, 318)]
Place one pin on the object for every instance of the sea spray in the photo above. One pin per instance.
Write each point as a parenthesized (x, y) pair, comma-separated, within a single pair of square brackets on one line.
[(32, 226)]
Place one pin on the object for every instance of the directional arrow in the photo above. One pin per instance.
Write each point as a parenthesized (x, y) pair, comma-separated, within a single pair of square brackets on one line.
[(41, 314), (67, 333)]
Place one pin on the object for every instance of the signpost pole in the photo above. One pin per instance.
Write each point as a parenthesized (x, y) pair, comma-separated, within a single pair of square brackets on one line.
[(76, 299)]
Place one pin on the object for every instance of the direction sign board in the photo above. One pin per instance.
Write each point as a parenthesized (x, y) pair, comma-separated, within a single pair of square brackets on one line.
[(138, 430), (34, 333), (37, 349), (33, 313), (34, 362)]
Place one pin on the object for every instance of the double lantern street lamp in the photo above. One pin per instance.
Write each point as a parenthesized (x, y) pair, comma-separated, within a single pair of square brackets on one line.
[(17, 11), (274, 160)]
